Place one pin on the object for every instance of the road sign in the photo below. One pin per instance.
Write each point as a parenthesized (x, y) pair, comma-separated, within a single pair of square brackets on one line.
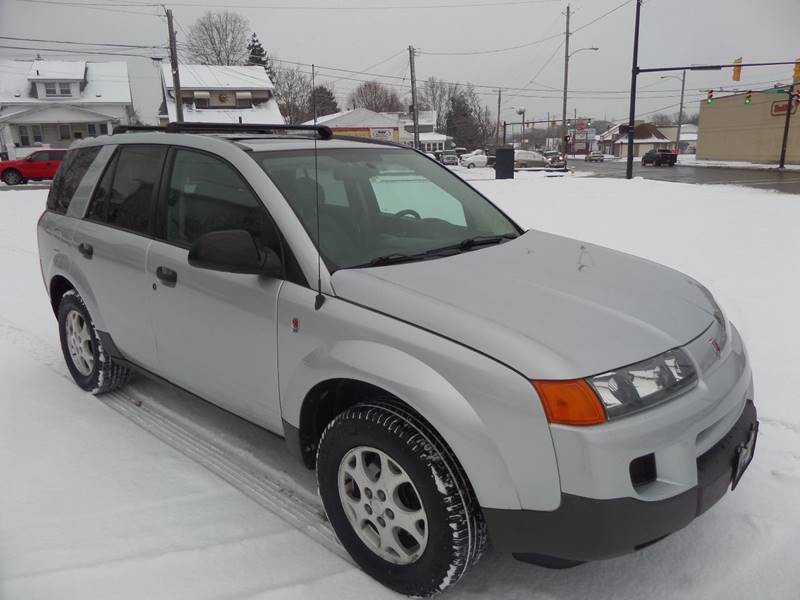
[(737, 70), (778, 108)]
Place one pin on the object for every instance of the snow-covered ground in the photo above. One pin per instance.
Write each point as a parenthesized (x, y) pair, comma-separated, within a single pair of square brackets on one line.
[(151, 494)]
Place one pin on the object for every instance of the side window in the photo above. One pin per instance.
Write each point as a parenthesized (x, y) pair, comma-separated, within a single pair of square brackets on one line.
[(206, 194), (124, 198), (39, 156), (73, 167)]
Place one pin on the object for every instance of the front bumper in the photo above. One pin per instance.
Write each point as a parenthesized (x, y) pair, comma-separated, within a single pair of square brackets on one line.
[(582, 529)]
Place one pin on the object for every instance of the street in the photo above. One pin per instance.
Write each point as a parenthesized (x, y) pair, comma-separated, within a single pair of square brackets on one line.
[(787, 182)]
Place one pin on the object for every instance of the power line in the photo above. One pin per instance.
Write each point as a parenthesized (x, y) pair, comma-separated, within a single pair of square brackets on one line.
[(603, 16), (19, 39), (318, 7), (65, 51), (493, 50)]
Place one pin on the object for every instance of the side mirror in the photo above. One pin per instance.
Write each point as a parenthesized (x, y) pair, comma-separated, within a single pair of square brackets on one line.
[(234, 251)]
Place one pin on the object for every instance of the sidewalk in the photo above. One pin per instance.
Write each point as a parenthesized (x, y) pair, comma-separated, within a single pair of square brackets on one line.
[(690, 160)]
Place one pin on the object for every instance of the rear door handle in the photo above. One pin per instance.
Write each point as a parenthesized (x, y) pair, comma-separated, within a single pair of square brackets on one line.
[(86, 249), (166, 275)]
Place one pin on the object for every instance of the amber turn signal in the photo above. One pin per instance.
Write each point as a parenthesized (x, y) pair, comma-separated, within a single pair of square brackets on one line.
[(570, 402)]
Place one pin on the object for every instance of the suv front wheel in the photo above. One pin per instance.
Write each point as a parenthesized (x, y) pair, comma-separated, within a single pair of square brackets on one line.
[(89, 364), (398, 499)]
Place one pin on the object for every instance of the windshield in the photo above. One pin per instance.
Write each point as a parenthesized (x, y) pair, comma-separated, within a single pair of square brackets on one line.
[(382, 202)]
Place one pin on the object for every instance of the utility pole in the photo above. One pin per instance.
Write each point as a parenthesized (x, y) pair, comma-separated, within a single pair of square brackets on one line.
[(634, 74), (680, 116), (173, 61), (415, 112), (499, 97), (786, 126), (566, 80)]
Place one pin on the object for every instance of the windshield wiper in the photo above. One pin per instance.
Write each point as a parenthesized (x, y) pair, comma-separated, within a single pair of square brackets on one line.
[(449, 250)]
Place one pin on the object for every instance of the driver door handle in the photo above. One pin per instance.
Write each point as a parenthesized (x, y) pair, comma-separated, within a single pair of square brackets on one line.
[(166, 275), (86, 249)]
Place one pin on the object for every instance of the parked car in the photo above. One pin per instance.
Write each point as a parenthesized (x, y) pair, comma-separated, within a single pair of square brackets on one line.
[(555, 159), (37, 166), (476, 158), (448, 157), (431, 360), (526, 159), (459, 150), (594, 156), (661, 156)]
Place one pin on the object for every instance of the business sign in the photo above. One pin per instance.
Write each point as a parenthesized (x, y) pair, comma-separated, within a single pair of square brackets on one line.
[(778, 108), (382, 133)]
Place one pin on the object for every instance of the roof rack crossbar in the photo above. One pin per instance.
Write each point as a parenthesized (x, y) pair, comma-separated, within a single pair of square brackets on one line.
[(323, 131)]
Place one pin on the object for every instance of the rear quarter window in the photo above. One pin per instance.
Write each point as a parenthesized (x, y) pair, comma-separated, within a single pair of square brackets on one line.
[(73, 167)]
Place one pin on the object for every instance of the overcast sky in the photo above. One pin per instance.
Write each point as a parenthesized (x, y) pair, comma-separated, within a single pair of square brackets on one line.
[(673, 32)]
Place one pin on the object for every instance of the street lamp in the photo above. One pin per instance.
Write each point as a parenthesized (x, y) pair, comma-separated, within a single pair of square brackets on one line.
[(520, 110), (567, 56), (680, 110)]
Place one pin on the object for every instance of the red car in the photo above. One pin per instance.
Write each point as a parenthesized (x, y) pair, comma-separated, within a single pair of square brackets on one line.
[(39, 165)]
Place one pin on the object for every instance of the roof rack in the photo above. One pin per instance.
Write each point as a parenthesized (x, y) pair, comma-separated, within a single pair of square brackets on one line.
[(323, 131)]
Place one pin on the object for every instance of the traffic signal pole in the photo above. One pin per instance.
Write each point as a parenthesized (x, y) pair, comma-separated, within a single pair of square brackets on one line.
[(786, 126), (634, 74)]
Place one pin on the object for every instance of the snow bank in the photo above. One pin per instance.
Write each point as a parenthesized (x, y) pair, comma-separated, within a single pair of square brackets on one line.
[(94, 507)]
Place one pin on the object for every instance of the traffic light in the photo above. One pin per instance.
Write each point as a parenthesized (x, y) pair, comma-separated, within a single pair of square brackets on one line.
[(796, 76), (748, 97), (569, 123), (710, 97), (589, 122), (737, 69)]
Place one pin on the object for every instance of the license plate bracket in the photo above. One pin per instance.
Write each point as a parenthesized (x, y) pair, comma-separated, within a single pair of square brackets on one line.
[(744, 455)]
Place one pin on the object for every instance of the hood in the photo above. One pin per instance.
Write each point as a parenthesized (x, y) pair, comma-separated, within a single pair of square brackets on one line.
[(548, 306)]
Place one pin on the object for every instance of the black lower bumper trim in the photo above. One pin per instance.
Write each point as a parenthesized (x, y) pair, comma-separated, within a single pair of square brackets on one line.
[(582, 529)]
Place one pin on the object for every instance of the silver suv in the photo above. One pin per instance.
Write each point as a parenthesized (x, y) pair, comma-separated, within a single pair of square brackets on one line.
[(452, 377)]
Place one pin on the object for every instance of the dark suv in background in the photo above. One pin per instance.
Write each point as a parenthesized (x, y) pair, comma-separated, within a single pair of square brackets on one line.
[(659, 157)]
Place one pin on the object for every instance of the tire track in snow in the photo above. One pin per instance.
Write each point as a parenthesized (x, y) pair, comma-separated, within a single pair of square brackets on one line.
[(268, 492)]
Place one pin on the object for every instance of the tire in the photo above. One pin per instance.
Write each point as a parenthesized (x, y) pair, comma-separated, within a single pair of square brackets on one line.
[(12, 177), (471, 165), (402, 448), (89, 364)]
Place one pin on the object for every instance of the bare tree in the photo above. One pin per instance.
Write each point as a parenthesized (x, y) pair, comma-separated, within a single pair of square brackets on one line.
[(218, 38), (373, 95), (293, 93), (661, 119), (435, 94), (485, 122)]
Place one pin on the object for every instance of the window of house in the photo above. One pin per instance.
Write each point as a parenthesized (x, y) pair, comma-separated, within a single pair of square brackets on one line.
[(64, 89), (50, 88), (24, 140), (244, 103), (64, 132), (125, 195), (37, 133), (201, 102), (76, 163), (92, 129)]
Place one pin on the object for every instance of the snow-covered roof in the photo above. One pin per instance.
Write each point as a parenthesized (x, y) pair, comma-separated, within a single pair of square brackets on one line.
[(432, 136), (217, 77), (357, 117), (58, 70), (650, 140), (688, 137), (106, 82)]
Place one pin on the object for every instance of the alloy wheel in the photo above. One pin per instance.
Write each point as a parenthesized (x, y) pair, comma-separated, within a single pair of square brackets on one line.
[(383, 505), (79, 342)]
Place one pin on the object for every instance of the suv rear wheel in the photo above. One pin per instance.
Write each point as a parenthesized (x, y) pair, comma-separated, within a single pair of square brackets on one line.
[(398, 499), (89, 364)]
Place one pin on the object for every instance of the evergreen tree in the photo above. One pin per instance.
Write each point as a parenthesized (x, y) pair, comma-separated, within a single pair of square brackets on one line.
[(260, 57), (461, 123), (325, 100)]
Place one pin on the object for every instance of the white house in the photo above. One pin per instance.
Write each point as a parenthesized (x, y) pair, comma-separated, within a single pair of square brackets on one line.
[(220, 94), (51, 103), (429, 139)]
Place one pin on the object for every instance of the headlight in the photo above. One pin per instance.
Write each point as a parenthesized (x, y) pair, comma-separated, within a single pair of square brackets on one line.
[(644, 384)]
